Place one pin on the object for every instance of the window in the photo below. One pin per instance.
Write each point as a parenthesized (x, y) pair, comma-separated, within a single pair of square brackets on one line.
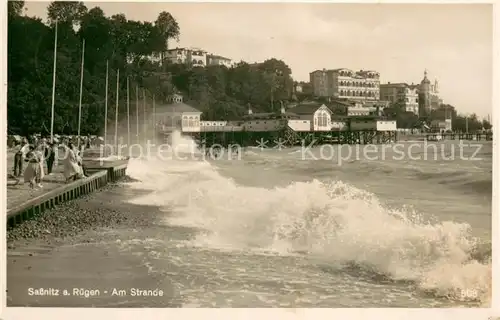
[(321, 119), (191, 122), (185, 121)]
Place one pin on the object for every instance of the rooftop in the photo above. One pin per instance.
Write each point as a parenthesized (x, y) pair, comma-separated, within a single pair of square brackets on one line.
[(177, 107), (218, 57), (270, 115), (399, 85), (306, 108)]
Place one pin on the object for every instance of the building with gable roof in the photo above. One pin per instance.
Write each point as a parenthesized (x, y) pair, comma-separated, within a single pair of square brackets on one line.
[(177, 115), (318, 115)]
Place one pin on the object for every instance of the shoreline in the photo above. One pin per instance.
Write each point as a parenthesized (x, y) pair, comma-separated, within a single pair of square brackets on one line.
[(65, 249), (60, 223)]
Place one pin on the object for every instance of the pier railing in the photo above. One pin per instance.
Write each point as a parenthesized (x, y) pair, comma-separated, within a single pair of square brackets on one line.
[(100, 176)]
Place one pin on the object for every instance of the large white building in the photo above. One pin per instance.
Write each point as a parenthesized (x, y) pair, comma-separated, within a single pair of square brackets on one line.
[(345, 83), (404, 94), (196, 57), (419, 99), (216, 60), (178, 116)]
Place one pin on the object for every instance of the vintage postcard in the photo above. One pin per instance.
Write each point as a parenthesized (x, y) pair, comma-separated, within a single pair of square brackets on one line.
[(249, 155)]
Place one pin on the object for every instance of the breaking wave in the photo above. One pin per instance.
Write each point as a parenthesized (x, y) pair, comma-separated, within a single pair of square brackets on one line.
[(330, 221)]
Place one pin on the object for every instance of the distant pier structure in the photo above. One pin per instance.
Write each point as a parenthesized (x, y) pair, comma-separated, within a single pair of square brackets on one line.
[(306, 123)]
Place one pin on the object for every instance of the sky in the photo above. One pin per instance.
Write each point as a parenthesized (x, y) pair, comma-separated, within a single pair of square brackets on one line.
[(452, 41)]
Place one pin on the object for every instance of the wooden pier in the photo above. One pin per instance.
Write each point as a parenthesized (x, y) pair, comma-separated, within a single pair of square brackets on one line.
[(459, 136), (287, 137), (100, 176)]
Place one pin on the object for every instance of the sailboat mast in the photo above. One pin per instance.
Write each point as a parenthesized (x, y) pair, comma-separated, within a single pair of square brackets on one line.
[(81, 94), (128, 111), (106, 105), (116, 108), (53, 89)]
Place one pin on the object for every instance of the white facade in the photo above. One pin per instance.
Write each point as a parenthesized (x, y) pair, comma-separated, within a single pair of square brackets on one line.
[(300, 125), (178, 55), (190, 122), (386, 125), (192, 56), (213, 123), (178, 116), (322, 119), (405, 94), (319, 116), (358, 111), (197, 57), (214, 60), (345, 83)]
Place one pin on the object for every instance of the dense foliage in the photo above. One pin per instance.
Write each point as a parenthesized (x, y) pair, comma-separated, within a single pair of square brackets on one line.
[(137, 49)]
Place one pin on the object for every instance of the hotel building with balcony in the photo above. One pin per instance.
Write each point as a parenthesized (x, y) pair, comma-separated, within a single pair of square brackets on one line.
[(215, 60), (196, 57), (404, 94), (420, 99), (345, 83)]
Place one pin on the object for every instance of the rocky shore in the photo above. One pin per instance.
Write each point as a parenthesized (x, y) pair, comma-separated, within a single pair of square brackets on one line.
[(101, 209)]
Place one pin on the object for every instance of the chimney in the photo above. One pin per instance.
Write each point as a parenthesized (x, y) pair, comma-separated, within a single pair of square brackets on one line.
[(250, 109), (283, 111)]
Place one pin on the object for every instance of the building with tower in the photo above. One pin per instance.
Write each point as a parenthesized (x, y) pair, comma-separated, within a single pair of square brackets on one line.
[(428, 96), (424, 100)]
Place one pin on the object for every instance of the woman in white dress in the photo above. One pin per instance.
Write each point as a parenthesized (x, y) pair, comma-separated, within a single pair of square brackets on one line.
[(34, 171), (72, 171)]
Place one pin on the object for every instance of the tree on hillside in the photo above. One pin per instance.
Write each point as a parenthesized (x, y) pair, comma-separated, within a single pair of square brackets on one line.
[(168, 29), (15, 8), (66, 12), (129, 46)]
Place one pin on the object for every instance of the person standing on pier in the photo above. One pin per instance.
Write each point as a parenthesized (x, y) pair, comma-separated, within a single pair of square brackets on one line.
[(50, 156), (19, 158), (33, 174), (40, 154), (72, 171)]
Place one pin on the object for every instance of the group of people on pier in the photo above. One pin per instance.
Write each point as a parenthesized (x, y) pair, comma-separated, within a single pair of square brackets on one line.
[(39, 153)]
